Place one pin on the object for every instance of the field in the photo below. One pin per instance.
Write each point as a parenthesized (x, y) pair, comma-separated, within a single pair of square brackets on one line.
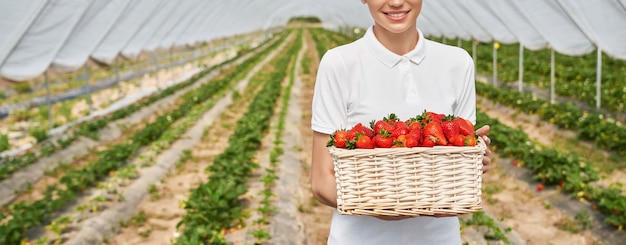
[(223, 157)]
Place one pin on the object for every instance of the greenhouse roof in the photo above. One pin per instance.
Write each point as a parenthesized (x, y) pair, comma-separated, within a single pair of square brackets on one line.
[(36, 35)]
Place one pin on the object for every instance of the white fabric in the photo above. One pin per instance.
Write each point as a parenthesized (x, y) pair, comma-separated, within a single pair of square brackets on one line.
[(488, 20), (466, 20), (602, 21), (131, 20), (153, 22), (363, 81), (448, 24), (428, 28), (36, 34), (513, 19), (44, 38), (555, 26), (89, 31), (174, 15), (16, 17), (189, 36)]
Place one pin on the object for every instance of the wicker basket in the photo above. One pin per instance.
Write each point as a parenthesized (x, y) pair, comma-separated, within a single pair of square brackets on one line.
[(431, 181)]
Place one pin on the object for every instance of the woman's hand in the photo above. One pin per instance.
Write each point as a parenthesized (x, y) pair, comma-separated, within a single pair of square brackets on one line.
[(482, 132)]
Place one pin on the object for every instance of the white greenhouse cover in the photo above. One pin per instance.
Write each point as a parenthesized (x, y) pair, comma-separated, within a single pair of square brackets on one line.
[(36, 35)]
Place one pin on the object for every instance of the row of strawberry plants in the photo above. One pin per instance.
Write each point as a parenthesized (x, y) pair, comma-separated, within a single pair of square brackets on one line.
[(554, 168), (215, 204), (575, 77), (269, 179), (9, 165), (23, 216), (605, 134), (322, 41)]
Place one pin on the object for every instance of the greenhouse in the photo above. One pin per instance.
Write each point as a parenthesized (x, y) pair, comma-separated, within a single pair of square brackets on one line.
[(193, 121)]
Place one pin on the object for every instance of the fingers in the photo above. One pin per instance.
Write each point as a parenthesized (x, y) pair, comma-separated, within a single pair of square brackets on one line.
[(486, 139), (487, 161), (483, 131)]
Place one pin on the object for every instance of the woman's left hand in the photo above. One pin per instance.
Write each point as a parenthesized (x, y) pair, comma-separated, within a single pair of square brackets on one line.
[(482, 132)]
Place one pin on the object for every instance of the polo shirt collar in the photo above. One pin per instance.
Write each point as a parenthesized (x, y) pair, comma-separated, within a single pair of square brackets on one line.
[(389, 58)]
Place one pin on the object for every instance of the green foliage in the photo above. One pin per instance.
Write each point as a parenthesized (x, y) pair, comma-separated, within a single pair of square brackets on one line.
[(307, 19), (22, 88), (40, 133), (4, 142)]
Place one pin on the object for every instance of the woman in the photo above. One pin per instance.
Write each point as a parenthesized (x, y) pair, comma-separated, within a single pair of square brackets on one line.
[(391, 69)]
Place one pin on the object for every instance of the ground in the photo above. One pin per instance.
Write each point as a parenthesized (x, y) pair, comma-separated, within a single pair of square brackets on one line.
[(151, 212)]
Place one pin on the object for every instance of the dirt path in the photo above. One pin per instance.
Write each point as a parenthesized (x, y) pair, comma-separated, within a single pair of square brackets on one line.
[(509, 201), (161, 215)]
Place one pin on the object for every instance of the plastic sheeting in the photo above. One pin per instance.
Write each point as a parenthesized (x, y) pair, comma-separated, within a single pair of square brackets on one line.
[(63, 34), (96, 22), (36, 49)]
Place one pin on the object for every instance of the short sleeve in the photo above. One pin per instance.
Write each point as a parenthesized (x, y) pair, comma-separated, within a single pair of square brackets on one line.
[(466, 104), (330, 96)]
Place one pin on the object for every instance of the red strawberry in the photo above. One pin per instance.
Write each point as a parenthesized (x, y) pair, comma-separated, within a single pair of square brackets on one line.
[(412, 140), (457, 140), (382, 125), (539, 187), (470, 140), (391, 119), (399, 141), (400, 124), (428, 142), (338, 139), (383, 140), (434, 132), (359, 128), (465, 126), (450, 127), (364, 142), (430, 116), (414, 125), (402, 130)]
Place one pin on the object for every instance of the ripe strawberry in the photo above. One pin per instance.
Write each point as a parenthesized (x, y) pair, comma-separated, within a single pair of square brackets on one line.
[(383, 140), (382, 125), (399, 141), (338, 139), (470, 140), (400, 124), (429, 116), (434, 132), (402, 130), (359, 128), (391, 119), (414, 125), (465, 126), (412, 140), (364, 142), (539, 187), (428, 141), (457, 140), (416, 132), (450, 127)]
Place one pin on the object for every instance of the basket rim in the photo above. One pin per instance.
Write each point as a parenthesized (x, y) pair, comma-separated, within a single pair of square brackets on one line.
[(438, 149)]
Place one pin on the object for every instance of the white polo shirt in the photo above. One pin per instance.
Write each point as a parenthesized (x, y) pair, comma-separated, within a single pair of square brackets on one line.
[(363, 81)]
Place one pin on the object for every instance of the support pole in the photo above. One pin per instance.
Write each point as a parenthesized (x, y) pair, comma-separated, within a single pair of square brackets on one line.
[(520, 80), (495, 64), (552, 99), (474, 55), (599, 78), (48, 100), (88, 86)]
